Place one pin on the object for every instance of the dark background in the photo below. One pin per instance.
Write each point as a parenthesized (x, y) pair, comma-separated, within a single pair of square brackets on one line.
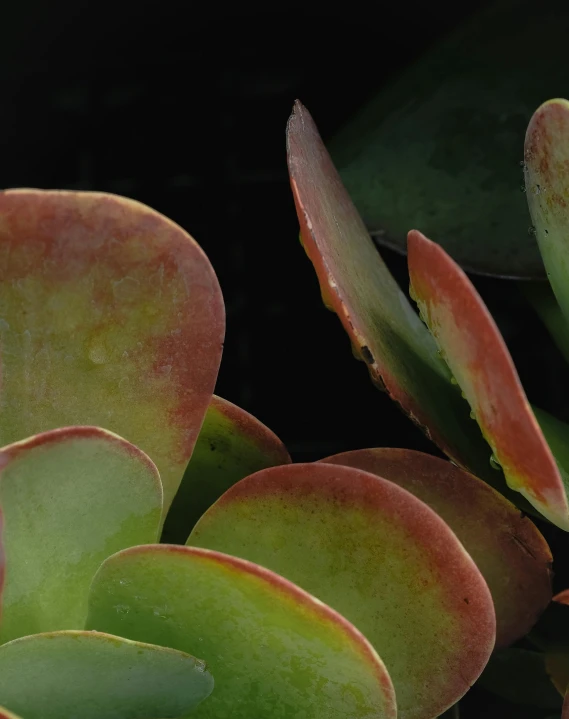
[(187, 113)]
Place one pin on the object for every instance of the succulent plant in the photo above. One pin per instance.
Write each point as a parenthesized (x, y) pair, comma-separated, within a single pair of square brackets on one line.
[(161, 556)]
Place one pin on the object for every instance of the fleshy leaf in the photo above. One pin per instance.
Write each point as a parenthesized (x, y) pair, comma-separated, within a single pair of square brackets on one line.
[(64, 675), (547, 181), (232, 444), (384, 329), (543, 300), (439, 145), (380, 557), (70, 498), (507, 547), (5, 714), (521, 677), (565, 711), (274, 650), (111, 315), (478, 357)]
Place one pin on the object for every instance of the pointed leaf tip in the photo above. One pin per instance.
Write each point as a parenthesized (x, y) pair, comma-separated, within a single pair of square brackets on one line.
[(477, 355)]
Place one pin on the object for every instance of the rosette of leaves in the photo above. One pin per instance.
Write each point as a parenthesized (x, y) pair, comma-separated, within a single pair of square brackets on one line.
[(448, 368)]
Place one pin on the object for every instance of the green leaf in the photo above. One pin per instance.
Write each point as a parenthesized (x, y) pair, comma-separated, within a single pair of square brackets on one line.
[(440, 146), (384, 329), (274, 650), (70, 498), (112, 316), (380, 557), (477, 355), (542, 299), (520, 676), (507, 547), (70, 674), (232, 444)]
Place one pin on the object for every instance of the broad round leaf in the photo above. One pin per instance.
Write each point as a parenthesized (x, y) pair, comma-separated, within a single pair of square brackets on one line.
[(507, 547), (232, 444), (70, 498), (110, 315), (547, 179), (274, 650), (477, 355), (384, 329), (65, 675), (378, 555)]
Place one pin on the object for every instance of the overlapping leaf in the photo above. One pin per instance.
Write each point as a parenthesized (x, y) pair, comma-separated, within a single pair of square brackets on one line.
[(508, 549), (232, 444), (274, 650), (110, 315), (70, 498), (378, 555)]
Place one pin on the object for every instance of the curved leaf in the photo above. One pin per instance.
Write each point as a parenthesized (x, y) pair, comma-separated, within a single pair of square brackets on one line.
[(64, 675), (111, 315), (384, 329), (547, 179), (5, 714), (507, 547), (274, 650), (479, 359), (543, 300), (379, 556), (439, 146), (232, 444), (70, 498)]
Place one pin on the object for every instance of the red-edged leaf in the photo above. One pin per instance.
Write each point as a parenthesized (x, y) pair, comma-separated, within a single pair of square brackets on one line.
[(479, 360)]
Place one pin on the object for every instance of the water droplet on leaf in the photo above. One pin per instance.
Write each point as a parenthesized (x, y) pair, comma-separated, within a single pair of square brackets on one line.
[(494, 462)]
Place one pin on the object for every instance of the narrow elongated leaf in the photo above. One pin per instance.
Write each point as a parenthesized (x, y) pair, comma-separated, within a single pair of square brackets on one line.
[(479, 359), (70, 498), (547, 179), (274, 650), (232, 444), (378, 555), (65, 675), (110, 315), (507, 547), (384, 329)]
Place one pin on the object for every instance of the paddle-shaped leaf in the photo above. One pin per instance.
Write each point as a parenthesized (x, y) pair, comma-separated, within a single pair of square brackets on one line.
[(70, 498), (274, 650), (65, 675), (400, 353), (507, 547), (478, 357), (110, 315), (232, 444), (378, 555), (547, 181)]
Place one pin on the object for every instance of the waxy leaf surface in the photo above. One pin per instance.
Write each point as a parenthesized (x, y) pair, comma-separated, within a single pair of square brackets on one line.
[(546, 162), (478, 357), (274, 650), (355, 283), (5, 714), (110, 315), (70, 498), (507, 547), (232, 444), (70, 674), (380, 557)]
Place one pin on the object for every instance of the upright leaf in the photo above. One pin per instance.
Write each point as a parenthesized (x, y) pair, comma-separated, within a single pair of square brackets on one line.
[(110, 315)]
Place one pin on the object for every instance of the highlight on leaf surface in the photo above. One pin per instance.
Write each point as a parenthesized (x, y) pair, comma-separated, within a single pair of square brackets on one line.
[(479, 360), (111, 315), (384, 329), (69, 498), (231, 445), (69, 674), (546, 164), (274, 650), (376, 554), (507, 547)]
